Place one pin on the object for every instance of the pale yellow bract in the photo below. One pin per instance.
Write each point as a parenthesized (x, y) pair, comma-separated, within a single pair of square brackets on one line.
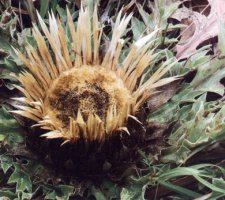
[(87, 97)]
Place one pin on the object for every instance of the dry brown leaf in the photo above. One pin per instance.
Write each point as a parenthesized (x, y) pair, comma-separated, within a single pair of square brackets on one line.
[(160, 98), (183, 15), (205, 27)]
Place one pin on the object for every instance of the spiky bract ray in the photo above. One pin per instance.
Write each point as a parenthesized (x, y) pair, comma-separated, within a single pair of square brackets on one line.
[(74, 92)]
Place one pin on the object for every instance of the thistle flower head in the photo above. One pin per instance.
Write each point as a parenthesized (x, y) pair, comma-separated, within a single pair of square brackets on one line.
[(92, 96)]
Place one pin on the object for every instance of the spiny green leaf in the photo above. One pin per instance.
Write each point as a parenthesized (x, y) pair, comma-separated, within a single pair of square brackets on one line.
[(6, 163), (170, 111), (195, 130), (148, 19), (187, 94), (7, 192), (21, 179), (138, 28), (59, 192), (44, 7), (10, 128), (208, 77), (127, 194), (160, 14), (132, 193)]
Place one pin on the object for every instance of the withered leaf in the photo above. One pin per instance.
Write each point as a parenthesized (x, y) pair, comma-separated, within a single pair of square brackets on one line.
[(206, 27)]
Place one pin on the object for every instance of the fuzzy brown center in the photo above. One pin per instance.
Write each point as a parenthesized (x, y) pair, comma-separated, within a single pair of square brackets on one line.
[(90, 90), (89, 99)]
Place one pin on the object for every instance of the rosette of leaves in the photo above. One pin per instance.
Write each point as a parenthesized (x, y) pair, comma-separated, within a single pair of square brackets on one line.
[(82, 97)]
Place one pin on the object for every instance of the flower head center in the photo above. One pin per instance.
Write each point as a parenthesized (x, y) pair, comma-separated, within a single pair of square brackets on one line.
[(90, 90)]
